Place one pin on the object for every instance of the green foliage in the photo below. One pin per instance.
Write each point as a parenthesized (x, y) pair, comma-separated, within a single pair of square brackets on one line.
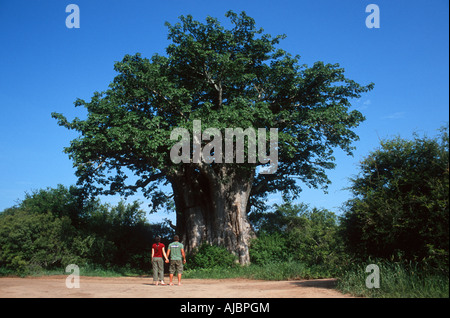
[(397, 280), (296, 233), (269, 248), (210, 257), (35, 240), (400, 207), (52, 228)]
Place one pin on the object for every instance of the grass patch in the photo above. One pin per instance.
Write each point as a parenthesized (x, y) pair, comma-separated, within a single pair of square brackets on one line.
[(270, 271), (86, 270)]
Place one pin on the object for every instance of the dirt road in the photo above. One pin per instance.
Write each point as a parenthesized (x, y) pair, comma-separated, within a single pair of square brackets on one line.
[(142, 287)]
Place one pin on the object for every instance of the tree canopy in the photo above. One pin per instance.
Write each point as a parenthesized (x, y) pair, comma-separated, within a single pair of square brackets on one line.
[(226, 78)]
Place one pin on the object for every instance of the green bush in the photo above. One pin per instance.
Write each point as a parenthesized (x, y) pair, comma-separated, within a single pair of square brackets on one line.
[(400, 204), (269, 248), (31, 241), (210, 256), (51, 228), (296, 233)]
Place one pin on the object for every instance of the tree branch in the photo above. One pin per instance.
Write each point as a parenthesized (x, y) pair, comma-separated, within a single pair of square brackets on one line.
[(217, 87)]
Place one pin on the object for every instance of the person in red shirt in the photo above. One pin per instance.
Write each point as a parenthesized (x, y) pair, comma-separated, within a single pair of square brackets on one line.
[(158, 252)]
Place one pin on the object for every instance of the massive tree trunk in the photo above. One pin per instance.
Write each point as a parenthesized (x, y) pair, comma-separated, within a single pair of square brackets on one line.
[(212, 207)]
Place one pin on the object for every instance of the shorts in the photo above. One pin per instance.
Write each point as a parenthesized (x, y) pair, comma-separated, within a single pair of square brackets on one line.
[(176, 265)]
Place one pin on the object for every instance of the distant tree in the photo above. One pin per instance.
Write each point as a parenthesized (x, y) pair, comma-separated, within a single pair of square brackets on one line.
[(226, 78), (400, 204), (38, 232), (296, 232), (60, 201), (54, 227)]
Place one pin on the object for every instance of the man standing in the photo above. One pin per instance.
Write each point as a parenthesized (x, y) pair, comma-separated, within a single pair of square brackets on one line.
[(176, 253)]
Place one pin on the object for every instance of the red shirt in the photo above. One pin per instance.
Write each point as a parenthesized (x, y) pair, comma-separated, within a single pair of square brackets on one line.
[(158, 250)]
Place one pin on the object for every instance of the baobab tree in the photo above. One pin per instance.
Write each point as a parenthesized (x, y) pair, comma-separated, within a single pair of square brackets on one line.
[(225, 78)]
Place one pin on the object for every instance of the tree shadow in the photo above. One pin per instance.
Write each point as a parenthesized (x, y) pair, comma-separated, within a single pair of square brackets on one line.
[(328, 283)]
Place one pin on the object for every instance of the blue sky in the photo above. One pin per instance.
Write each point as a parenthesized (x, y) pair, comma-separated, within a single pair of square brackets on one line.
[(44, 67)]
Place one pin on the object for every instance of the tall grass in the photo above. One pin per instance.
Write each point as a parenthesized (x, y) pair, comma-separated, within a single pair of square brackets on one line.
[(85, 270), (397, 280)]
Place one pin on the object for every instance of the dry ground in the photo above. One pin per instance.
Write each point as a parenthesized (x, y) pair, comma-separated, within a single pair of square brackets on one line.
[(142, 287)]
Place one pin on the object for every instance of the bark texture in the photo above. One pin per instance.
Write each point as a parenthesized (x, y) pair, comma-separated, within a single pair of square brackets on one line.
[(211, 207)]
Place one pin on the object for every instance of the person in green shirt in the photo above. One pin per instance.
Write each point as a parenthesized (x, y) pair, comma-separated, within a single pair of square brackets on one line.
[(177, 259)]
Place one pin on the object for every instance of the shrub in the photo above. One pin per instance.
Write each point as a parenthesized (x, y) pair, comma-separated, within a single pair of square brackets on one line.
[(296, 233), (31, 241), (210, 256), (269, 248), (401, 202), (51, 228)]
